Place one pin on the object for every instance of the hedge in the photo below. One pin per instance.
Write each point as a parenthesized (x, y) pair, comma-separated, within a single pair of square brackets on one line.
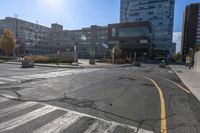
[(5, 58), (46, 59)]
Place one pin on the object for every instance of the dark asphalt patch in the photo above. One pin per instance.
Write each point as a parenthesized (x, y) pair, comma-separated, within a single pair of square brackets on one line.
[(127, 78), (148, 84), (147, 71)]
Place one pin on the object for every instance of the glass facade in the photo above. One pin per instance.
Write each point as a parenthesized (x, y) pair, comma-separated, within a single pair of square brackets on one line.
[(133, 32), (114, 33), (160, 13)]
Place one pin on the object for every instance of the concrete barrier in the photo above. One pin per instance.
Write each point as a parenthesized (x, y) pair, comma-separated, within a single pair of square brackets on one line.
[(197, 61)]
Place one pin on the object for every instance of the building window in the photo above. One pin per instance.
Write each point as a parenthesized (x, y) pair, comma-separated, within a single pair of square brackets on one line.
[(151, 7), (150, 13), (114, 32), (133, 32), (134, 14)]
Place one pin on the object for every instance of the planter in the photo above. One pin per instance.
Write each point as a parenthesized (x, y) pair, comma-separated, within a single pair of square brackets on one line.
[(92, 62), (75, 64), (162, 65), (137, 63), (28, 64)]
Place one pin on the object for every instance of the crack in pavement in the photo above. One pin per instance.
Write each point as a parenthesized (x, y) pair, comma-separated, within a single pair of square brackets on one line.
[(91, 104)]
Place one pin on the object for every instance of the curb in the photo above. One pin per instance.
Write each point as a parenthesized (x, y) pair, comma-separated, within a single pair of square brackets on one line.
[(75, 67), (41, 65), (189, 88), (180, 78), (111, 66)]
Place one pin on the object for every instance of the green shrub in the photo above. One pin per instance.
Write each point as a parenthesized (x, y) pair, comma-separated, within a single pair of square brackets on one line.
[(117, 52), (120, 61), (5, 58)]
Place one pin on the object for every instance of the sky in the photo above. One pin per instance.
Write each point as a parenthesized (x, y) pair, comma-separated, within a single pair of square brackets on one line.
[(177, 39), (75, 14)]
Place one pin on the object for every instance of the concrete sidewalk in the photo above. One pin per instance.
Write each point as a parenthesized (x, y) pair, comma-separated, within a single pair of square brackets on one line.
[(84, 63), (190, 78)]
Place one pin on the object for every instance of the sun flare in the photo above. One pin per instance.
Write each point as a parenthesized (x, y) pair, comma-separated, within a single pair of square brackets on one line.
[(52, 4)]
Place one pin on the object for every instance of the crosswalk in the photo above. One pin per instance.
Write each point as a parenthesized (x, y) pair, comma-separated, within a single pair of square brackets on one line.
[(24, 78), (16, 116)]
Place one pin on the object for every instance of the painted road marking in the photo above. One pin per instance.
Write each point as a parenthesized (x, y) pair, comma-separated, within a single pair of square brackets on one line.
[(92, 127), (1, 82), (3, 100), (23, 77), (100, 127), (111, 129), (13, 123), (16, 108), (19, 79), (7, 79), (162, 102), (178, 85), (60, 124)]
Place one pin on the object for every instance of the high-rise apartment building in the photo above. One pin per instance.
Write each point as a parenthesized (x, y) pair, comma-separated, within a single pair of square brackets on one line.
[(191, 28), (39, 39), (160, 13), (28, 33)]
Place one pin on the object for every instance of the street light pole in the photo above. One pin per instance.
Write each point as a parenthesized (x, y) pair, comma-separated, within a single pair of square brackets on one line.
[(135, 56), (75, 63), (75, 58), (58, 53)]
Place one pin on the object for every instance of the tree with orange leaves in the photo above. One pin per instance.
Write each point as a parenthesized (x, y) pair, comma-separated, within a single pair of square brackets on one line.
[(7, 42)]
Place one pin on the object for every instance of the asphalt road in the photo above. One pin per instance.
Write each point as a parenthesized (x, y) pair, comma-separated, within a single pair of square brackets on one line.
[(118, 99)]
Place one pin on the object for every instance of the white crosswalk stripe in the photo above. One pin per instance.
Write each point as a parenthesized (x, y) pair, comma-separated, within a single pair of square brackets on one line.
[(25, 118), (18, 79), (1, 82), (3, 100), (101, 127), (111, 129), (59, 124), (16, 108), (7, 79)]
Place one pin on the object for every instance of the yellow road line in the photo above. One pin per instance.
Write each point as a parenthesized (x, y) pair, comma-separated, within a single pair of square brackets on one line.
[(178, 85), (162, 102)]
